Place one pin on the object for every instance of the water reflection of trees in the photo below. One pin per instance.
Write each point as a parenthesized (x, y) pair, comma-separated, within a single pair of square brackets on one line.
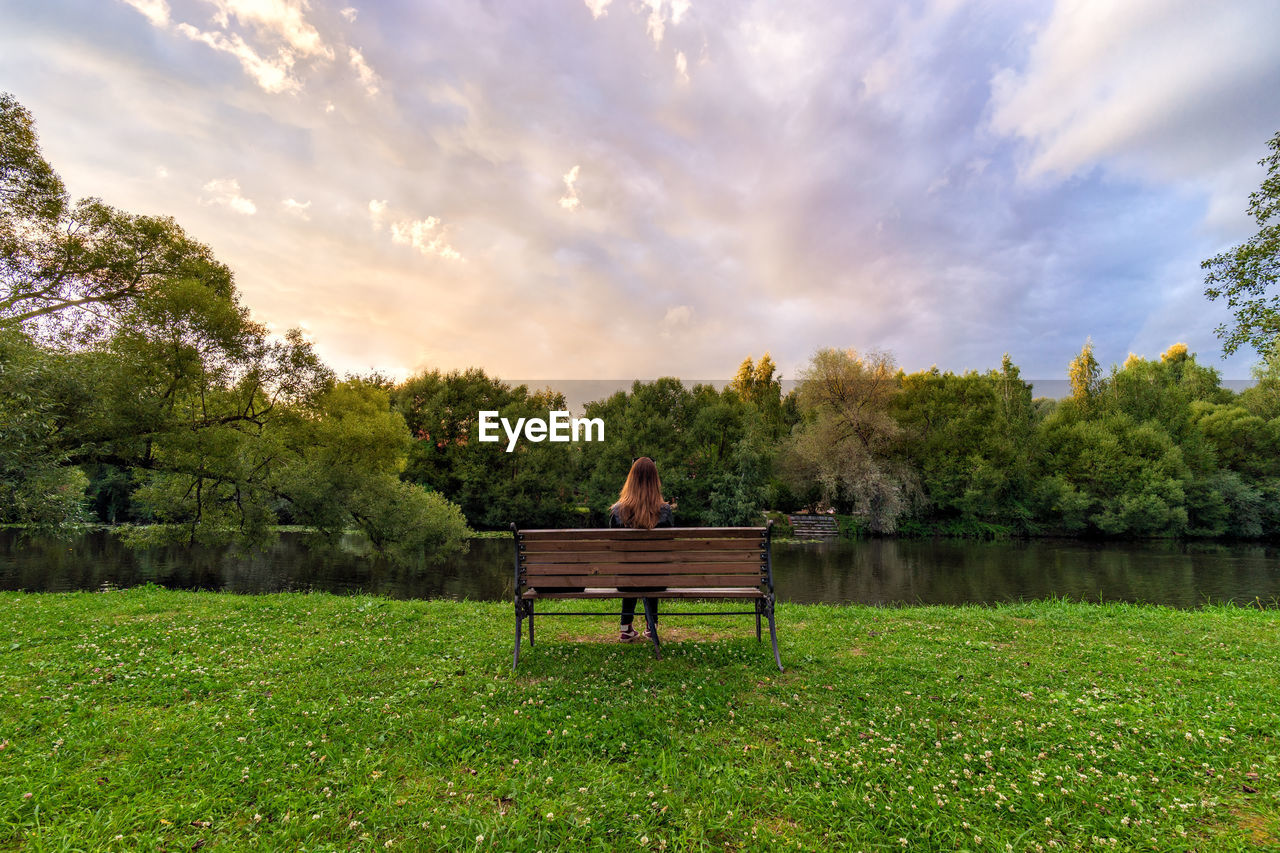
[(890, 571), (877, 571), (290, 563)]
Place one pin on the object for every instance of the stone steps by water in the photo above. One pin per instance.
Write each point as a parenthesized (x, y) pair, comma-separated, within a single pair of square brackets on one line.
[(814, 526)]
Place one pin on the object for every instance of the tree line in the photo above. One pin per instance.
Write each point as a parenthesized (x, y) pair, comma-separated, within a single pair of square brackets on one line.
[(1151, 448), (136, 388)]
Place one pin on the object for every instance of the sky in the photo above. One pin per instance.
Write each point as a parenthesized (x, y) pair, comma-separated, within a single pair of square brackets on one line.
[(634, 188)]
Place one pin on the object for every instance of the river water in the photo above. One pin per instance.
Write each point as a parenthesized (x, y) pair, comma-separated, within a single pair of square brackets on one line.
[(877, 571)]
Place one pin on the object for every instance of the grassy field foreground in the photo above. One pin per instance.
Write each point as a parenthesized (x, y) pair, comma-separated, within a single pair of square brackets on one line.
[(150, 719)]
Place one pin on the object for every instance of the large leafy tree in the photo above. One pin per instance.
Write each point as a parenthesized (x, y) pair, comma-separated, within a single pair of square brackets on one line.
[(849, 445), (712, 449), (972, 438), (1157, 448), (759, 384), (1163, 390), (653, 419), (124, 350), (535, 485), (39, 488), (1248, 276), (1085, 375), (79, 264), (1112, 475), (1264, 397)]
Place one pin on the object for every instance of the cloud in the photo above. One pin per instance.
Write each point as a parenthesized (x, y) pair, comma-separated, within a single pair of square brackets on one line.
[(155, 11), (225, 192), (368, 78), (272, 75), (598, 7), (880, 175), (660, 13), (423, 236), (570, 200), (298, 208), (279, 19), (350, 14), (281, 26), (677, 317), (656, 26), (1160, 89), (377, 210)]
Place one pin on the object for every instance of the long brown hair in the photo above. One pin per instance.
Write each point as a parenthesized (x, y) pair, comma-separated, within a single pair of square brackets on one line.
[(640, 503)]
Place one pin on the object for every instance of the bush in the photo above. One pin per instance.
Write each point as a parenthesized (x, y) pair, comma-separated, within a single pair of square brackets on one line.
[(852, 526), (782, 528), (406, 522), (956, 528)]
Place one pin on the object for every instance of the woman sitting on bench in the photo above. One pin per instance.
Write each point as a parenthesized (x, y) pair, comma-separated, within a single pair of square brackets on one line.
[(640, 505)]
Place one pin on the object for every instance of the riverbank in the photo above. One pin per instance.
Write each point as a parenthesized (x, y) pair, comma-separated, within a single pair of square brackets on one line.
[(147, 719)]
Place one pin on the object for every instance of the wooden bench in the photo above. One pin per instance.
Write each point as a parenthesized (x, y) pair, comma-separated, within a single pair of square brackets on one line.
[(730, 563)]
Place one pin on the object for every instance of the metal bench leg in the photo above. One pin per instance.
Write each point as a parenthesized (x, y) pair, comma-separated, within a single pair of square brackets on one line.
[(516, 658), (530, 606), (757, 620), (773, 631), (651, 621)]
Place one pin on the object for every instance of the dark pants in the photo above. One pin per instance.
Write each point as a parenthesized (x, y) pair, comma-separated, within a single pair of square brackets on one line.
[(629, 609)]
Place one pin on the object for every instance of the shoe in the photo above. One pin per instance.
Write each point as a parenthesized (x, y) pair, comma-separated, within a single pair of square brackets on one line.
[(628, 634)]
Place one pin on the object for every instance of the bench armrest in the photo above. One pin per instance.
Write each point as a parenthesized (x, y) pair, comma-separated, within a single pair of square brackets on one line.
[(768, 555), (516, 586)]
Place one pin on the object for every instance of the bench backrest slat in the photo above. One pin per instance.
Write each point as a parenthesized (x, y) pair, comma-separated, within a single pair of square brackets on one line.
[(678, 557)]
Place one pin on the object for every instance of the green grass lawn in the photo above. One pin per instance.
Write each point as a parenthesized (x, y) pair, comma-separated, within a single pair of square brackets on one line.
[(150, 719)]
